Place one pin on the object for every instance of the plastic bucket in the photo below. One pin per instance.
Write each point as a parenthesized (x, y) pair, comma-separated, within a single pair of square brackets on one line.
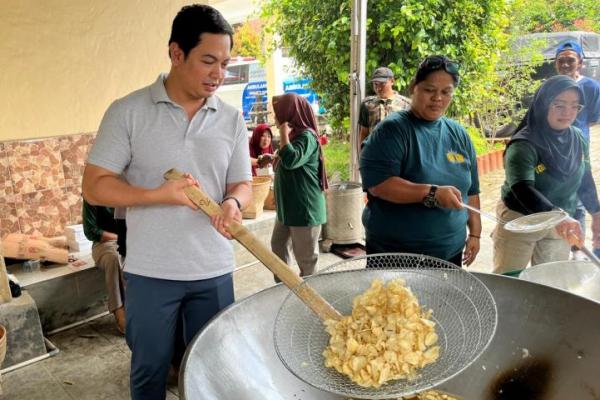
[(345, 203)]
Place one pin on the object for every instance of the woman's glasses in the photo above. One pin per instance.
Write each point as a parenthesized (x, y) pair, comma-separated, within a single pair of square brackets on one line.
[(438, 62), (562, 107)]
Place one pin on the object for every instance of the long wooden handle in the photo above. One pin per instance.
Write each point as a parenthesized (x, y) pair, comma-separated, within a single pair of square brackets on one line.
[(318, 304)]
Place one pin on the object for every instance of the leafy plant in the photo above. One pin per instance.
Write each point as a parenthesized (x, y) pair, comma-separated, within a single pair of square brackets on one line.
[(400, 33), (501, 100), (528, 16), (247, 41)]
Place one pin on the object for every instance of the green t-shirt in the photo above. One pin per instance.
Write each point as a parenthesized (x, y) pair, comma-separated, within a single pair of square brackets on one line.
[(298, 195), (438, 152), (522, 164), (97, 220)]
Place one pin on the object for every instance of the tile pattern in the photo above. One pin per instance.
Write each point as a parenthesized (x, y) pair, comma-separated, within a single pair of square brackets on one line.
[(43, 212), (9, 222), (74, 151), (74, 202), (35, 165), (40, 184), (6, 187)]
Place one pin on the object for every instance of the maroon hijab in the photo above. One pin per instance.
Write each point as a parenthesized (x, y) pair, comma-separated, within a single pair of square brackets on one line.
[(257, 133), (297, 112), (255, 149)]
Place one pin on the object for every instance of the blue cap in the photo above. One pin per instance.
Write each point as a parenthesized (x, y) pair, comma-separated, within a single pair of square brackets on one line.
[(570, 45)]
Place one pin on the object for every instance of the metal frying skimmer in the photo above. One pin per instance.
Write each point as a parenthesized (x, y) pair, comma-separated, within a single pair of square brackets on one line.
[(527, 223), (463, 309)]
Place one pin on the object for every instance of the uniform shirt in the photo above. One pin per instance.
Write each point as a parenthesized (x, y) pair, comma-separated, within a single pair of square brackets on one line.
[(438, 152), (298, 195), (97, 220), (522, 164), (141, 137), (374, 109), (591, 112)]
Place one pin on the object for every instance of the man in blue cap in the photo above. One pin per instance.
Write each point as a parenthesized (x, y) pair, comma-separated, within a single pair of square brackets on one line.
[(569, 61)]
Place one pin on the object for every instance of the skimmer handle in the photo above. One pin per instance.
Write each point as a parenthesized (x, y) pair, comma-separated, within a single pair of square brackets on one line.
[(484, 214)]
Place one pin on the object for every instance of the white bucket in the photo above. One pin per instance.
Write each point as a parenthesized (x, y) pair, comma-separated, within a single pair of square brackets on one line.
[(345, 203)]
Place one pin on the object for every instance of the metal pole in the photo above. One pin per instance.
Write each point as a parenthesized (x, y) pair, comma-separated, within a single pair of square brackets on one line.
[(357, 78)]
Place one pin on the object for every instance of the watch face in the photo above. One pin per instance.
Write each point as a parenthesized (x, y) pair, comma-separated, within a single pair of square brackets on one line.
[(429, 201)]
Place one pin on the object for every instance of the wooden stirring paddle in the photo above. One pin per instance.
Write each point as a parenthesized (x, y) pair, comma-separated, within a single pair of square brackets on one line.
[(316, 303)]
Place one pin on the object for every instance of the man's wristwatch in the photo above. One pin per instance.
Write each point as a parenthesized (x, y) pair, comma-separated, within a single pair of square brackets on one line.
[(430, 200), (237, 202)]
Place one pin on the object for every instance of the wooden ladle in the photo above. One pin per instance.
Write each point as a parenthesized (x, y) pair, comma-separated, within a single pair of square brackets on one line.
[(316, 303)]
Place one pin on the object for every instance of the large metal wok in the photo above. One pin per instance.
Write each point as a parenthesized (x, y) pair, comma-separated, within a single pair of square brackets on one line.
[(578, 277), (545, 347)]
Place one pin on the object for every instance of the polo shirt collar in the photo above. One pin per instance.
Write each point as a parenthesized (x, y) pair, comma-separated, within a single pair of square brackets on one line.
[(158, 91), (159, 94)]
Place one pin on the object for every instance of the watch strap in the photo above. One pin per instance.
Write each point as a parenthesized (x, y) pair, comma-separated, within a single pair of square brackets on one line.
[(237, 202)]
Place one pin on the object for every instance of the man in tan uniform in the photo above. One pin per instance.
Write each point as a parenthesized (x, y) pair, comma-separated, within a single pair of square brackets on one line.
[(386, 100)]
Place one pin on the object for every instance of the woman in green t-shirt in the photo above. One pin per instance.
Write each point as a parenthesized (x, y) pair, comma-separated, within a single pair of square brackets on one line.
[(299, 183), (547, 167), (417, 168)]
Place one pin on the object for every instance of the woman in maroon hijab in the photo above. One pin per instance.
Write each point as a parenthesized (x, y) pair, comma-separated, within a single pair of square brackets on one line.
[(261, 147), (299, 183)]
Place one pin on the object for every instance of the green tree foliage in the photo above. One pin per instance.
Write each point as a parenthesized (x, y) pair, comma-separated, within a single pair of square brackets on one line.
[(529, 16), (500, 99), (400, 33), (247, 40)]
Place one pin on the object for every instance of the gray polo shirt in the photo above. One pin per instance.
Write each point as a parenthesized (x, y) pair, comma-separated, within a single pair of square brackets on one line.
[(143, 135)]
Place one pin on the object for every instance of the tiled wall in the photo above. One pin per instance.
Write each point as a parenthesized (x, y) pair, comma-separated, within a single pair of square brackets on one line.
[(40, 184)]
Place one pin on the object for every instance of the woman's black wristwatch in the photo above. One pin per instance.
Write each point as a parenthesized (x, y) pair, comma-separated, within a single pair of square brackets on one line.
[(430, 200)]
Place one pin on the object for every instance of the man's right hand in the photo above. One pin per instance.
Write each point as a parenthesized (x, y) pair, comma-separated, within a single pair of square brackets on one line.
[(448, 197), (171, 192)]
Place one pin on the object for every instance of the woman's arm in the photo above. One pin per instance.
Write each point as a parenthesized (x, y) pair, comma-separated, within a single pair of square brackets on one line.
[(588, 195), (521, 159), (473, 240), (531, 199), (296, 154), (400, 191)]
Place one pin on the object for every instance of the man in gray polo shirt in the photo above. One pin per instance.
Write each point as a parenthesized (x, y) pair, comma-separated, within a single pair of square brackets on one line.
[(179, 263)]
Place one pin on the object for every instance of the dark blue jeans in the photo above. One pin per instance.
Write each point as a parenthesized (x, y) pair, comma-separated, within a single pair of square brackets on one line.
[(153, 307)]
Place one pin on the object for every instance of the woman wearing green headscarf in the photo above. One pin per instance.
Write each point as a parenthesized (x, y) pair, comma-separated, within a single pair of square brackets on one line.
[(547, 168)]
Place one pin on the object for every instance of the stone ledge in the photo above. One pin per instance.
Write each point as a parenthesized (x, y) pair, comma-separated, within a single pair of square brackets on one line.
[(25, 340)]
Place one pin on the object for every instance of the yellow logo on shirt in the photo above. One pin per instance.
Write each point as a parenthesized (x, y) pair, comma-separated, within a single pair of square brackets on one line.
[(455, 158), (540, 168)]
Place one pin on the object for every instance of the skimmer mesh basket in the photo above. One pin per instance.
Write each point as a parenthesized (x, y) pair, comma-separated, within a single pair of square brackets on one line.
[(463, 309), (536, 222)]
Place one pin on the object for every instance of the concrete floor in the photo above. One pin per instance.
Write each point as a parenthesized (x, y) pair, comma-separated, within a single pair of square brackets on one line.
[(93, 359), (93, 362)]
